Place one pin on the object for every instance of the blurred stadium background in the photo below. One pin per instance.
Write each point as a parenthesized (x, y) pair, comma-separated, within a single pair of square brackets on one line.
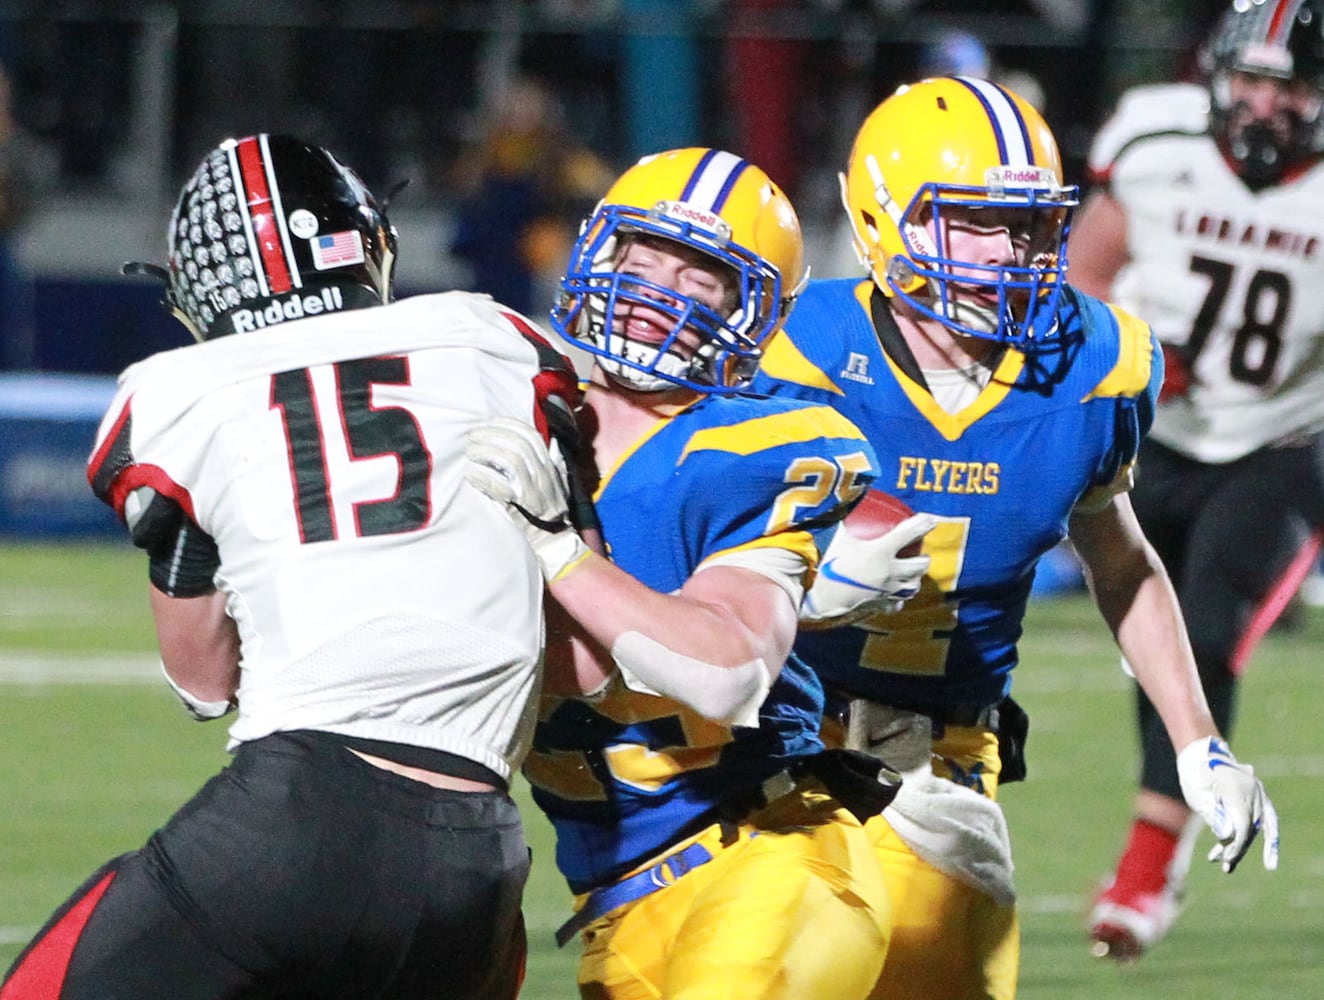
[(122, 97), (116, 101), (506, 118)]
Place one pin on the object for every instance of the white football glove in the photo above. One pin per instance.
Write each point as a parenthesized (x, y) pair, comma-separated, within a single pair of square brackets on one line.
[(858, 577), (508, 462), (1228, 797)]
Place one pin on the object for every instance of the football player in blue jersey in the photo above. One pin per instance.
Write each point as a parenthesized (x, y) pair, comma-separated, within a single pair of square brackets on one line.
[(1206, 219), (1010, 407), (714, 847)]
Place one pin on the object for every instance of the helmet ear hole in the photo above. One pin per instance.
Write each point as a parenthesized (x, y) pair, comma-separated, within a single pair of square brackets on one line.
[(870, 225), (264, 225)]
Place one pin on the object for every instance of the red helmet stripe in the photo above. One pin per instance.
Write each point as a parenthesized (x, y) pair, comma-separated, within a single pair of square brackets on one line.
[(1282, 19), (262, 215)]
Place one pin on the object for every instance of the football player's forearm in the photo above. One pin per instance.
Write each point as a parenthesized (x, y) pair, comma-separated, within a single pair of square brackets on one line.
[(1135, 597), (694, 647), (608, 602), (199, 644), (1153, 639), (574, 664)]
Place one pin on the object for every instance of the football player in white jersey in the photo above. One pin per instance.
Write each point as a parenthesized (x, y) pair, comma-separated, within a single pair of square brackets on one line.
[(1208, 222), (321, 568)]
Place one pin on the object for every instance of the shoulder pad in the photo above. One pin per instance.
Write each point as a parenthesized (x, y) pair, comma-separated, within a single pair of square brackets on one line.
[(1128, 342), (770, 424), (1149, 111)]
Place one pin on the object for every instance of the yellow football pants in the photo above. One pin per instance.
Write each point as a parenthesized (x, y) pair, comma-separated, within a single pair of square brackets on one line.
[(949, 941), (792, 908)]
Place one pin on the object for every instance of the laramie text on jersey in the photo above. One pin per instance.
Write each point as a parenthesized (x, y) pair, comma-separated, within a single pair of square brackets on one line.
[(1271, 239)]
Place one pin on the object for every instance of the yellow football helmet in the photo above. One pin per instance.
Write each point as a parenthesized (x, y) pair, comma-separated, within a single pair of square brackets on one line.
[(961, 142), (708, 200)]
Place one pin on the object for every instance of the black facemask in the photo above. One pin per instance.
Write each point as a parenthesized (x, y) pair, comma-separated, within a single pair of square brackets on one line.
[(1260, 154)]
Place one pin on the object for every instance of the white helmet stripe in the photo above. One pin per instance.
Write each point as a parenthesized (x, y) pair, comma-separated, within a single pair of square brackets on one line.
[(712, 180), (1008, 125), (278, 210)]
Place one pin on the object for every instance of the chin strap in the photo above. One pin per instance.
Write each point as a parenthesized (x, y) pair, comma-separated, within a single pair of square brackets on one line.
[(145, 269)]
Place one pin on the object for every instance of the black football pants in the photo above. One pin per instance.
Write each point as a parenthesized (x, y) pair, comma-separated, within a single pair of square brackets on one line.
[(300, 871), (1236, 541)]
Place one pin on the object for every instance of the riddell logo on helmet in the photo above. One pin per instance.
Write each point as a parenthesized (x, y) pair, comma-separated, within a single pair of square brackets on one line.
[(294, 306), (685, 212), (1020, 177)]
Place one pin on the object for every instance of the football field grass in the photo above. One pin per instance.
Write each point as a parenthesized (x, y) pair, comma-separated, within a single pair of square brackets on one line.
[(95, 753)]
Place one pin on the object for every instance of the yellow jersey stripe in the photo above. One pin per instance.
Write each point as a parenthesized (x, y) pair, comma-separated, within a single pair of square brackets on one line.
[(783, 361), (764, 433), (1135, 358), (952, 425), (799, 542)]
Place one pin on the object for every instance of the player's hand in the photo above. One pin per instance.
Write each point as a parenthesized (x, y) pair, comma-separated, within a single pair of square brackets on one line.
[(507, 461), (1228, 797), (860, 577)]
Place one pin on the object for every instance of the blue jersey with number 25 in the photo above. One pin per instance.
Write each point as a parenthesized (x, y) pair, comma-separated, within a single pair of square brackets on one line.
[(625, 775)]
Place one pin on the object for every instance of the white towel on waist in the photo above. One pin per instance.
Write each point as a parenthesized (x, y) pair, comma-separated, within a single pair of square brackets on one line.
[(957, 830)]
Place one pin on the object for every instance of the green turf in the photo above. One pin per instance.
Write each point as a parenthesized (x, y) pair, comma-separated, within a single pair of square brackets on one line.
[(88, 770)]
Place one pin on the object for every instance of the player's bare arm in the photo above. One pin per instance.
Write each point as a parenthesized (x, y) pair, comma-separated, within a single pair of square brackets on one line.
[(199, 644), (1098, 244), (716, 645), (1137, 601), (725, 615), (700, 619), (1135, 596)]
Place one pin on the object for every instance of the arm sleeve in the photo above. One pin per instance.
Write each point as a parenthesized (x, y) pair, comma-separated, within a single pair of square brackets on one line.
[(182, 558)]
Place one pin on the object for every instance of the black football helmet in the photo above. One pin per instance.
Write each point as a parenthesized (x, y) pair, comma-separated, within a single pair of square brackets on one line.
[(1282, 39), (268, 229)]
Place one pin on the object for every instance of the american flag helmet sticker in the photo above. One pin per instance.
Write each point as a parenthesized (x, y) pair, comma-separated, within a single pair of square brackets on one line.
[(337, 249)]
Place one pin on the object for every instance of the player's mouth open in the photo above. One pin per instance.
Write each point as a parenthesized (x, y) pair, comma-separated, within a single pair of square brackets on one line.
[(645, 330)]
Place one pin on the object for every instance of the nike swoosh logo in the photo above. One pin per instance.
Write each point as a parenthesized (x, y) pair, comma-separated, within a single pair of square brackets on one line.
[(828, 571)]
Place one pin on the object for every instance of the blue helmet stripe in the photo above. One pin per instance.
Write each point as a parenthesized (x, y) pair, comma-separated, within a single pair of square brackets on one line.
[(713, 179), (1006, 120)]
